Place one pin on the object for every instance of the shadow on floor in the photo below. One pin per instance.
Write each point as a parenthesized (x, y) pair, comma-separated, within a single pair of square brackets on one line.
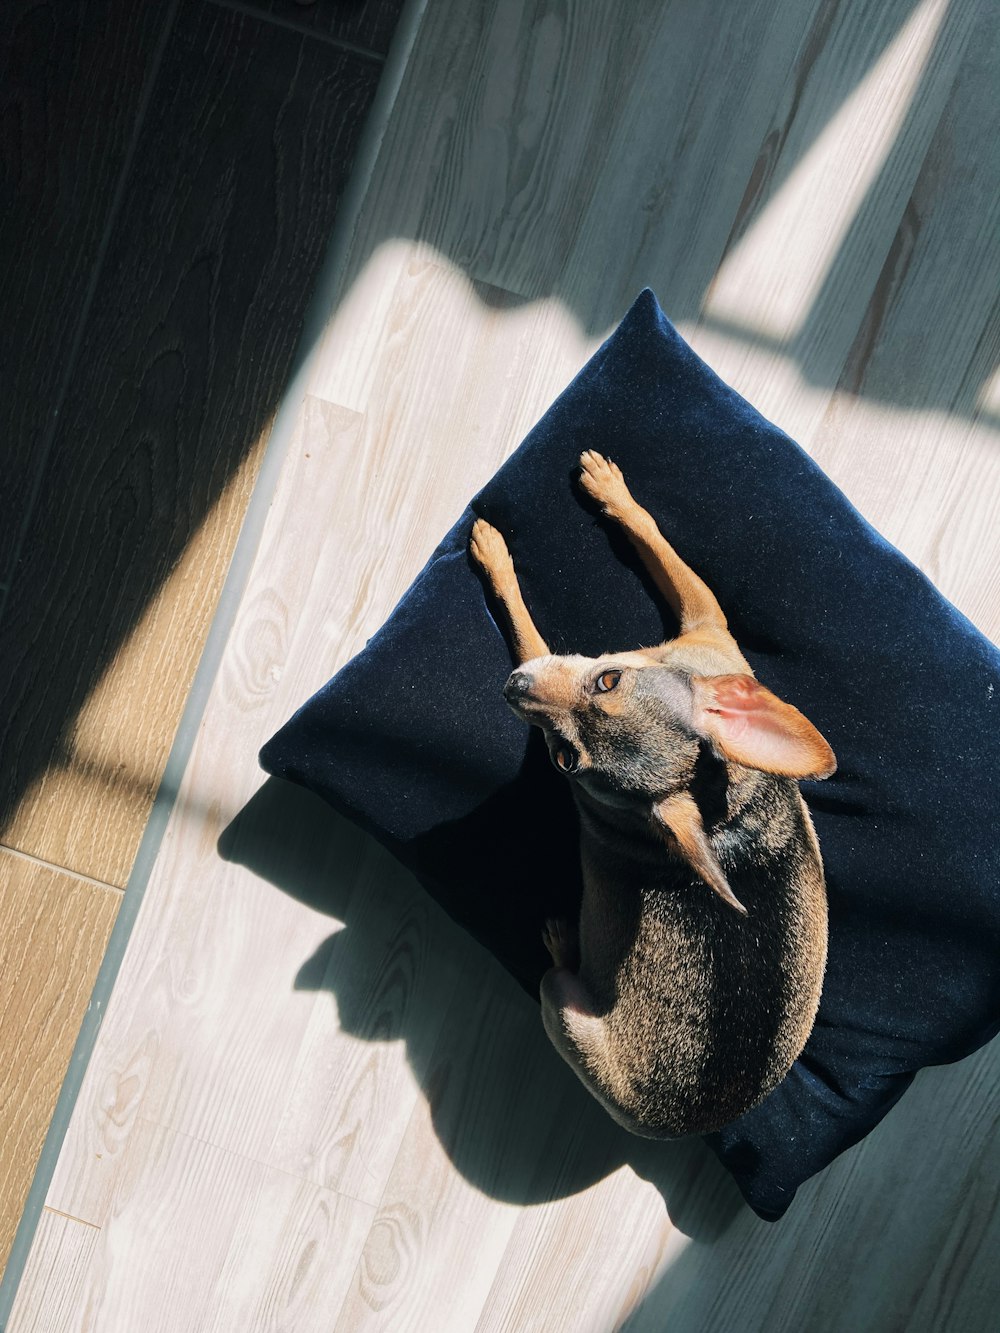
[(480, 1055), (516, 1123)]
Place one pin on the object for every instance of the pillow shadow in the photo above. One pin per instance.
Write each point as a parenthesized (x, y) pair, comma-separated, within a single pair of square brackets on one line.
[(513, 1119)]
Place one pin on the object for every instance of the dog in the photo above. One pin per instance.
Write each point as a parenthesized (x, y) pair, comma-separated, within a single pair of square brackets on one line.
[(692, 980)]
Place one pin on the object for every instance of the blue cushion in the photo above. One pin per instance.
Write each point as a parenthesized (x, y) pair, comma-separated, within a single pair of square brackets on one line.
[(412, 738)]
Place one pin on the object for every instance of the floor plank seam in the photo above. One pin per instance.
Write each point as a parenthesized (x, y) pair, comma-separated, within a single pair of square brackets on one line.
[(303, 29), (403, 1139), (255, 1161), (56, 1212), (48, 437), (62, 870)]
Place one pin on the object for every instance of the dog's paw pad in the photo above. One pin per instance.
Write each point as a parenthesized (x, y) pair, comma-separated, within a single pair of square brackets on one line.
[(601, 479)]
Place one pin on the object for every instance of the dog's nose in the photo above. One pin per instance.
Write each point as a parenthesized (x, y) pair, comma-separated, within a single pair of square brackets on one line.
[(518, 687)]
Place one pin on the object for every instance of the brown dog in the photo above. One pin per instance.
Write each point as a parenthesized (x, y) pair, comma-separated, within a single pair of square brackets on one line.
[(693, 979)]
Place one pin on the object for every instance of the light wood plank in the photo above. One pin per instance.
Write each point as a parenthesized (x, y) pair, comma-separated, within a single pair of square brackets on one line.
[(901, 1213), (54, 929), (627, 1226), (508, 1172), (203, 1240), (540, 145), (811, 238), (171, 926), (690, 145), (66, 1245), (440, 1233), (384, 981), (610, 1243)]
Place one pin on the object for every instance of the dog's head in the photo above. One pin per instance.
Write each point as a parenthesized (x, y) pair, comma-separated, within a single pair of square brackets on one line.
[(627, 724), (619, 725), (628, 729)]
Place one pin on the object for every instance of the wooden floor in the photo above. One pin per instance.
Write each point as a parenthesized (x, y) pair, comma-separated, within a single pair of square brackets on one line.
[(313, 1104), (160, 244)]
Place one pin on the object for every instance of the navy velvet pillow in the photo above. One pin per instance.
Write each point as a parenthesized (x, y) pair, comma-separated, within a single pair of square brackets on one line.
[(830, 616)]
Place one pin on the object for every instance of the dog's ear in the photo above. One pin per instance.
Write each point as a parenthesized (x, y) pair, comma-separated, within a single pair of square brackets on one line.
[(679, 816), (750, 725)]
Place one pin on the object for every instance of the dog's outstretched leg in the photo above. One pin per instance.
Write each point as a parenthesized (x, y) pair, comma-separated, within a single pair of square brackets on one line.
[(691, 600), (489, 550)]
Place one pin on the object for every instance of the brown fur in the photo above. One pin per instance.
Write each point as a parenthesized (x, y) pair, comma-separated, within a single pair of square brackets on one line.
[(692, 979)]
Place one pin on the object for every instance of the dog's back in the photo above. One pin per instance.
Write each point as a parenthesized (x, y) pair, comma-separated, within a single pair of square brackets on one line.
[(705, 1009)]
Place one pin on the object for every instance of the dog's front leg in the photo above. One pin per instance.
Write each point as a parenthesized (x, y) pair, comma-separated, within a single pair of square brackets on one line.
[(489, 550), (689, 597)]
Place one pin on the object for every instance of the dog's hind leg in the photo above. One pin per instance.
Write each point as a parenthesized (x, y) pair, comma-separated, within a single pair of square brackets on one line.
[(578, 1033), (489, 550)]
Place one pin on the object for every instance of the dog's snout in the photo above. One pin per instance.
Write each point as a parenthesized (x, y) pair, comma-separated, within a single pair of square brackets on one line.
[(518, 687)]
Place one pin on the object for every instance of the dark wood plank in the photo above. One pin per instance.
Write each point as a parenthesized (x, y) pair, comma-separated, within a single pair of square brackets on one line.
[(63, 141), (227, 214), (368, 23)]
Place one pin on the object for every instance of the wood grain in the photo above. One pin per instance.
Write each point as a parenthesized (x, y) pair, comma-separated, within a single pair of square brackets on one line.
[(236, 181), (501, 1127), (59, 1307), (590, 139), (228, 1274), (53, 932), (908, 1223), (289, 1004), (62, 152), (316, 1097)]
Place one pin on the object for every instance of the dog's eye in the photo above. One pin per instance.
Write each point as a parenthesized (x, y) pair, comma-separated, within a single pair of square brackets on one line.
[(607, 680), (565, 759)]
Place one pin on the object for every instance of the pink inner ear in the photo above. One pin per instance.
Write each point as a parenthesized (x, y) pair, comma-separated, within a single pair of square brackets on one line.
[(736, 694), (752, 726), (762, 741), (743, 709)]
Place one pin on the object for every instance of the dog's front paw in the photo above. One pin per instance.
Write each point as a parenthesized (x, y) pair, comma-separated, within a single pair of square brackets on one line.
[(559, 938), (603, 481), (488, 548)]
